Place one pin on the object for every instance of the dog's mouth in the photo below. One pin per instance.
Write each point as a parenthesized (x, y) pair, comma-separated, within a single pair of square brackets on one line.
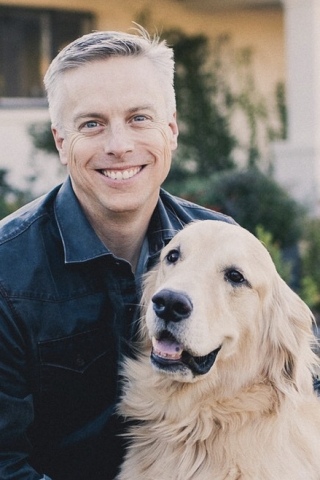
[(169, 355)]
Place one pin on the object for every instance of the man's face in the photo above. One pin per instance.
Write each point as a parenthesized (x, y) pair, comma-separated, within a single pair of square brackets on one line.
[(117, 135)]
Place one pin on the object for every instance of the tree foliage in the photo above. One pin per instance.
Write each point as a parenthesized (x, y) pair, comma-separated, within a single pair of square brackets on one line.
[(310, 255), (10, 198), (252, 198), (205, 140), (42, 137)]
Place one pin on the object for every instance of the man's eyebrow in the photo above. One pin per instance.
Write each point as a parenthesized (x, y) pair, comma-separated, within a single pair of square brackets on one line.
[(131, 110), (87, 115), (148, 106)]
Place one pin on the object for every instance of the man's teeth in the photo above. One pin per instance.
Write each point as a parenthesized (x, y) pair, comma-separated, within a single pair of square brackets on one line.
[(121, 174)]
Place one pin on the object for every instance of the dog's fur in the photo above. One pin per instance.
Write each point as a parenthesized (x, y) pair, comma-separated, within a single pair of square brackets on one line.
[(253, 415)]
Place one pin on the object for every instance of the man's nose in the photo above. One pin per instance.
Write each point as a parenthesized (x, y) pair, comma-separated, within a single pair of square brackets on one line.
[(119, 141)]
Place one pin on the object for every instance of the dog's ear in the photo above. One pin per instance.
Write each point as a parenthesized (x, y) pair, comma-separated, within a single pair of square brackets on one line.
[(288, 339), (148, 289)]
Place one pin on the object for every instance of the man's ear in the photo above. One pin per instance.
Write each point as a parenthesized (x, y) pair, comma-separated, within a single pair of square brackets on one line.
[(174, 131), (59, 140)]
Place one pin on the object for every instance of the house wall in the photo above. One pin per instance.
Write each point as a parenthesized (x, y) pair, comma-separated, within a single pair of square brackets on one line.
[(259, 29)]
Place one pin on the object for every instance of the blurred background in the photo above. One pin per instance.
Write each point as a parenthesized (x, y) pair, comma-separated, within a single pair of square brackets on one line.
[(248, 96)]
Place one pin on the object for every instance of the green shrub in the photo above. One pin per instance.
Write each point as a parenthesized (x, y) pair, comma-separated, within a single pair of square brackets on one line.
[(42, 137), (309, 292), (310, 261), (251, 198), (284, 267), (11, 198)]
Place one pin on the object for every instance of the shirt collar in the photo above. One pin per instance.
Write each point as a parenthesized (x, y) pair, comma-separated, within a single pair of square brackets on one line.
[(164, 224), (80, 242)]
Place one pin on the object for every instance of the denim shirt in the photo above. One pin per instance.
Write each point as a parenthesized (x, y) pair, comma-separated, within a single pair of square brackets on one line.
[(67, 315)]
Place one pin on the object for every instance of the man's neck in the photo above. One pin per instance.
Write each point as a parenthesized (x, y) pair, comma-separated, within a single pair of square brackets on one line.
[(122, 234), (124, 241)]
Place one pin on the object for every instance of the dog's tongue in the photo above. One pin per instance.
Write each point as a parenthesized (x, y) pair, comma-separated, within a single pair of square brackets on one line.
[(167, 348)]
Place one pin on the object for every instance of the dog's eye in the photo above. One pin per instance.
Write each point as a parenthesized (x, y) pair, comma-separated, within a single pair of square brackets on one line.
[(173, 256), (234, 276)]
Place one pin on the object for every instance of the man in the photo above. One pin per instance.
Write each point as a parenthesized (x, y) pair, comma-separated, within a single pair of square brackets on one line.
[(71, 261)]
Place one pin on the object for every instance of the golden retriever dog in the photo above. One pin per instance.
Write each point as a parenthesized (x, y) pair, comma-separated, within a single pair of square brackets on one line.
[(222, 385)]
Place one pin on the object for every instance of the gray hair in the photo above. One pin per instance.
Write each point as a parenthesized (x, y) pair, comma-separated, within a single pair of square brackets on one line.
[(101, 45)]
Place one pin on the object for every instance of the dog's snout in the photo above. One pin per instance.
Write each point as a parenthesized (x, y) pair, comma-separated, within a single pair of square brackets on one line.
[(171, 305)]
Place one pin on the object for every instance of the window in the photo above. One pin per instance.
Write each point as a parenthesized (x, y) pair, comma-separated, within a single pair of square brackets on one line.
[(29, 39)]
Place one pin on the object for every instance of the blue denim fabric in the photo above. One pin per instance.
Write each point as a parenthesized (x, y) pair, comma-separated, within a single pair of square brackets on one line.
[(67, 309)]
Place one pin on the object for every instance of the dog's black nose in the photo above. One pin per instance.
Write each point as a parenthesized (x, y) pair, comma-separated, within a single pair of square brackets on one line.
[(171, 305)]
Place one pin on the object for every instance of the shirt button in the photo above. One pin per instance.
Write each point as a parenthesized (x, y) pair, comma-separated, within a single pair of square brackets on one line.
[(80, 361)]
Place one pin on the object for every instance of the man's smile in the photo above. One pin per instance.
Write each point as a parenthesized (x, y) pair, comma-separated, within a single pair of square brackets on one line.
[(121, 174)]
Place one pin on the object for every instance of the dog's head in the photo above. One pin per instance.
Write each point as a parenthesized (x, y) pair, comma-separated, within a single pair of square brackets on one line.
[(215, 306)]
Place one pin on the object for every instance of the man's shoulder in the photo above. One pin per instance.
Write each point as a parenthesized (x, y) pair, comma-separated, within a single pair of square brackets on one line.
[(21, 220), (188, 211)]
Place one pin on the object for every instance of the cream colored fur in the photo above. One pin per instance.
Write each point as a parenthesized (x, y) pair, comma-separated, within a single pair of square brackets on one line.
[(254, 415)]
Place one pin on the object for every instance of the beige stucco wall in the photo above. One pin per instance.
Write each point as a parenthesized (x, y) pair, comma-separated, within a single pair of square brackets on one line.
[(259, 29)]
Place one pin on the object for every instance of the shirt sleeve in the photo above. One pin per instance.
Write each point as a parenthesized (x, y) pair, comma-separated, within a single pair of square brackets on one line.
[(16, 401)]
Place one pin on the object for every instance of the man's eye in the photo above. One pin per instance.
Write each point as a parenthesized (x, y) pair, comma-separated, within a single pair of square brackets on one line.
[(234, 276), (91, 127), (139, 118), (90, 124), (173, 256)]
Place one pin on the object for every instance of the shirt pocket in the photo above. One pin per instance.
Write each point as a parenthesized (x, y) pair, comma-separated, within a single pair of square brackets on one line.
[(75, 352), (78, 379)]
